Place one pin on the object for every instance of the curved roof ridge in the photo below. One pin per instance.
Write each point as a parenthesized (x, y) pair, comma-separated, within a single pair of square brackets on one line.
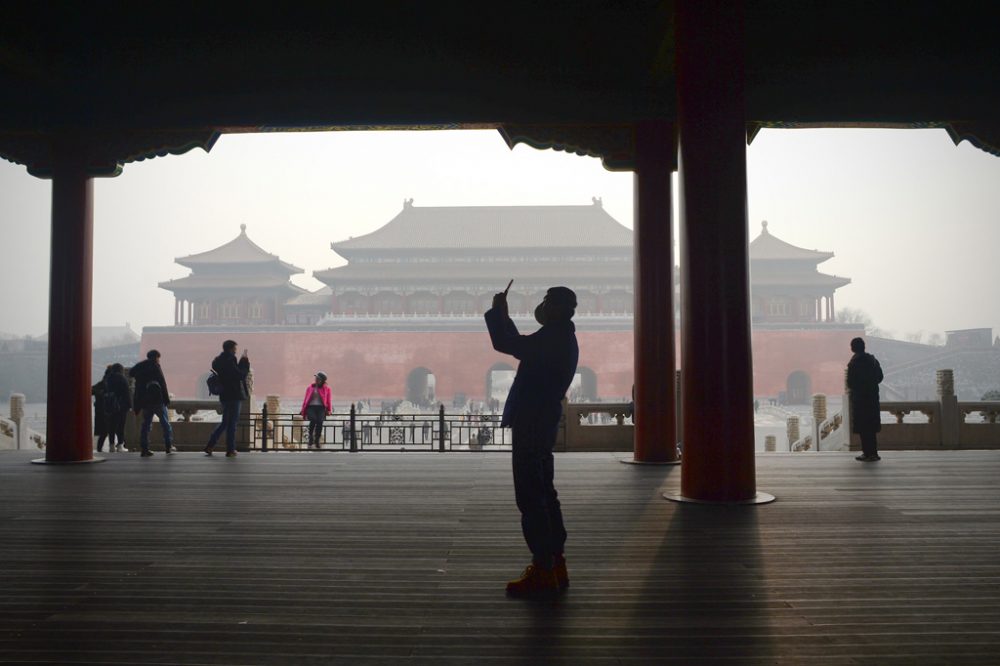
[(240, 250), (768, 246), (501, 227)]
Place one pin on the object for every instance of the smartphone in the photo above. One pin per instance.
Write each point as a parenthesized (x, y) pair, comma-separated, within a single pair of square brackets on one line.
[(508, 286)]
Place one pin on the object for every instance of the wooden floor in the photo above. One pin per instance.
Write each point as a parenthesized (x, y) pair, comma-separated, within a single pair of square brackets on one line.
[(320, 558)]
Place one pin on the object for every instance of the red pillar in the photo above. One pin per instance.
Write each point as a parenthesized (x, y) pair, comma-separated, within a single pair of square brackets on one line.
[(655, 416), (718, 461), (69, 428)]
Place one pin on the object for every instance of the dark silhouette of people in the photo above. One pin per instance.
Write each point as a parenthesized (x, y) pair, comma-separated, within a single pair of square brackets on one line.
[(151, 399), (863, 377), (117, 403), (548, 359), (233, 391), (101, 413)]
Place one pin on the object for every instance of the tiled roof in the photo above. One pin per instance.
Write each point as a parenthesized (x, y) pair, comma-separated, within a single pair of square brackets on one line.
[(797, 280), (240, 250), (494, 227), (766, 246), (463, 272), (321, 297), (230, 282)]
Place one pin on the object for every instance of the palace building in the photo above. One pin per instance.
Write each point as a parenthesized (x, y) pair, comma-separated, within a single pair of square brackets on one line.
[(403, 316)]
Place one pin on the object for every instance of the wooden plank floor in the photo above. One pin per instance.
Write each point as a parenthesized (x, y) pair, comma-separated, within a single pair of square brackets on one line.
[(327, 558)]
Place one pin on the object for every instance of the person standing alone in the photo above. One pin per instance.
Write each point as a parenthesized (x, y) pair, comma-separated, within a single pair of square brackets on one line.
[(316, 407), (863, 377), (233, 391), (548, 359)]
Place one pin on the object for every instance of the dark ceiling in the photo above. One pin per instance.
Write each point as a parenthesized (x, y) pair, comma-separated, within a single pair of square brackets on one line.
[(175, 65)]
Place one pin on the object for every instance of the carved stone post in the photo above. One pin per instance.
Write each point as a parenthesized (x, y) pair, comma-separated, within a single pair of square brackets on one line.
[(951, 417), (17, 416), (792, 428)]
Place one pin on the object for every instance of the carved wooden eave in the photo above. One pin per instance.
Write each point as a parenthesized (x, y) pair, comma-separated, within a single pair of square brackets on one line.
[(984, 135), (613, 144), (103, 153)]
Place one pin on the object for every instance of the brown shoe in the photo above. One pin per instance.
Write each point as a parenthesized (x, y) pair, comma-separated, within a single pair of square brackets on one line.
[(534, 582), (559, 569)]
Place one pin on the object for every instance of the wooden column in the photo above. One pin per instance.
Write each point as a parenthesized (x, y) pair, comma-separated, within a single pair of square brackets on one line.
[(655, 417), (833, 309), (68, 412), (177, 310), (718, 458)]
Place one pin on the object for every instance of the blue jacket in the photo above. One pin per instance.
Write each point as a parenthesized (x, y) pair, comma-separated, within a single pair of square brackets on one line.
[(548, 359)]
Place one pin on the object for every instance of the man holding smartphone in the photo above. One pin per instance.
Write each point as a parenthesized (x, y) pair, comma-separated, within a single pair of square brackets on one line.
[(548, 359), (233, 382)]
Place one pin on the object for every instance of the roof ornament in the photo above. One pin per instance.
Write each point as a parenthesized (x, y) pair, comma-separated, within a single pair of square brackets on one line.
[(408, 203), (763, 226), (597, 202), (243, 229)]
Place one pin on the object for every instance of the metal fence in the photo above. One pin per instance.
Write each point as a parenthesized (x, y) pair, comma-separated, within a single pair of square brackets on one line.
[(381, 432)]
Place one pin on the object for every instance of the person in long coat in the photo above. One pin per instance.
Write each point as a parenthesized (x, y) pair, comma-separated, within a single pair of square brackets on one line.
[(100, 413), (863, 377)]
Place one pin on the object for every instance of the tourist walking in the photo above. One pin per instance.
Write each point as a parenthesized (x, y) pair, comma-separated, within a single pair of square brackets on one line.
[(232, 392), (100, 413), (316, 407), (863, 377), (117, 403), (151, 399), (548, 361)]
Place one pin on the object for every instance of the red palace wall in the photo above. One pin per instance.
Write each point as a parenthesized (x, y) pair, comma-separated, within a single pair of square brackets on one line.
[(372, 365), (376, 365)]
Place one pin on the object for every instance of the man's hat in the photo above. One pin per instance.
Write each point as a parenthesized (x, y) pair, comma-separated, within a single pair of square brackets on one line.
[(321, 375), (561, 296)]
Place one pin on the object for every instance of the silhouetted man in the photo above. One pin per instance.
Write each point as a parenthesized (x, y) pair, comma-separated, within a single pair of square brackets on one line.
[(233, 391), (548, 360), (863, 377), (151, 399)]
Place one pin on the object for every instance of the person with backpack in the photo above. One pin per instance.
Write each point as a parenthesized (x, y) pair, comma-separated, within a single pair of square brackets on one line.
[(100, 413), (316, 407), (151, 399), (117, 403), (232, 382)]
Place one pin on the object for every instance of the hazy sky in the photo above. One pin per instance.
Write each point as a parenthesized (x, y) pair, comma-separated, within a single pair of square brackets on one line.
[(914, 220)]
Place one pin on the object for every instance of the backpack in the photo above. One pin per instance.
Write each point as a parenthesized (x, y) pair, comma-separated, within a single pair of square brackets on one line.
[(214, 383), (154, 393), (112, 405)]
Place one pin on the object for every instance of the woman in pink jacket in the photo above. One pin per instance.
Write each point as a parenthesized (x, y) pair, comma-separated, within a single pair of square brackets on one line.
[(316, 406)]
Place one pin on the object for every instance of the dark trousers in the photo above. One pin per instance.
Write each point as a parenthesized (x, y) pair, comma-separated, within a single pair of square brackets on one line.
[(230, 416), (869, 445), (116, 429), (316, 415), (537, 499)]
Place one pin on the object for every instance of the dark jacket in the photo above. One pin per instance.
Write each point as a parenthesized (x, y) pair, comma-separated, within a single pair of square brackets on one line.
[(863, 377), (100, 413), (548, 359), (116, 383), (145, 372), (232, 376)]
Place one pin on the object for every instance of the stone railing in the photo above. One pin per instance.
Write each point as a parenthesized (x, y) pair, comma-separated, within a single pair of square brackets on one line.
[(596, 426), (15, 433), (919, 425), (191, 433)]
